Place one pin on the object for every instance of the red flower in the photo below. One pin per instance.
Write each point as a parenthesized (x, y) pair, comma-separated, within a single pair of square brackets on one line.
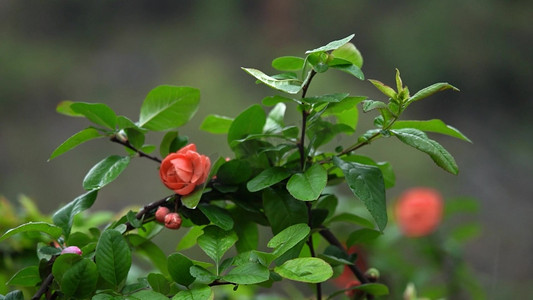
[(419, 211), (184, 170)]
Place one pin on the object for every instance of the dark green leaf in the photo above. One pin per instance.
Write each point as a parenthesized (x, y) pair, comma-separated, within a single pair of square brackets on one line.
[(305, 269), (216, 124), (234, 171), (97, 113), (178, 267), (80, 280), (248, 235), (350, 69), (28, 276), (202, 275), (51, 230), (167, 107), (282, 210), (335, 256), (216, 241), (63, 108), (105, 172), (267, 178), (419, 140), (196, 293), (291, 86), (250, 121), (166, 142), (249, 273), (430, 90), (147, 294), (288, 238), (332, 45), (366, 183), (274, 122), (113, 257), (434, 125), (350, 53), (351, 218), (158, 283), (309, 185), (14, 295), (362, 236), (288, 63), (65, 216), (218, 216), (83, 136)]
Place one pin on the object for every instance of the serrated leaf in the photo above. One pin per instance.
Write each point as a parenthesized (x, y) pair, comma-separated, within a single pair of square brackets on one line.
[(28, 276), (51, 230), (196, 293), (288, 238), (63, 108), (97, 113), (430, 90), (248, 273), (434, 125), (308, 186), (291, 86), (79, 138), (105, 172), (113, 257), (419, 140), (367, 184), (178, 268), (167, 107), (332, 45), (288, 63), (282, 210), (218, 216), (266, 178), (65, 216), (385, 89), (216, 124), (216, 241), (305, 269)]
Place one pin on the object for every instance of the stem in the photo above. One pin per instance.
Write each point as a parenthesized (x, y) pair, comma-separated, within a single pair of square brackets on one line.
[(146, 209), (127, 144), (46, 283), (305, 114)]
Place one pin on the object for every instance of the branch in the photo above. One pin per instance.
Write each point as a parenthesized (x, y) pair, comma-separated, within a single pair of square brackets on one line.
[(46, 283), (127, 144), (147, 208)]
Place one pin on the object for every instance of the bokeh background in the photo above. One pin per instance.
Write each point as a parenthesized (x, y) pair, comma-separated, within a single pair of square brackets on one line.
[(116, 51)]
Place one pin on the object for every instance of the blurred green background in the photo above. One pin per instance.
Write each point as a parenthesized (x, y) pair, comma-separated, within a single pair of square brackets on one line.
[(116, 51)]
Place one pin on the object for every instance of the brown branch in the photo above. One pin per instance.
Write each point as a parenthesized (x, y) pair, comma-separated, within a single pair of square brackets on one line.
[(45, 285), (127, 144), (147, 208)]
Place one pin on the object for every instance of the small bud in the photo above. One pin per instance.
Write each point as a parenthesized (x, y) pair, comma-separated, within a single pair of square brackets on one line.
[(372, 274), (172, 221), (72, 249), (161, 213)]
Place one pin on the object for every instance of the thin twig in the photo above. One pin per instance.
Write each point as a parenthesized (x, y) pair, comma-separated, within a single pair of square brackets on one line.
[(127, 144), (147, 208), (45, 284)]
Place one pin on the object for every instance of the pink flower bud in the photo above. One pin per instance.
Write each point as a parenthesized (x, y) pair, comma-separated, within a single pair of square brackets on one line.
[(161, 213), (172, 221), (72, 249)]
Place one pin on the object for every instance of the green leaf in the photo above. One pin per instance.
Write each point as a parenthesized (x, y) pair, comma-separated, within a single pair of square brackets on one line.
[(218, 216), (216, 241), (28, 276), (351, 218), (191, 200), (274, 122), (202, 275), (266, 178), (434, 125), (331, 98), (305, 269), (288, 63), (63, 108), (430, 90), (332, 45), (367, 184), (65, 216), (80, 280), (248, 273), (376, 289), (113, 257), (362, 236), (51, 230), (291, 86), (250, 121), (385, 89), (419, 140), (196, 293), (216, 124), (248, 235), (309, 185), (97, 113), (235, 171), (150, 250), (350, 53), (273, 100), (178, 267), (350, 69), (147, 294), (158, 283), (288, 238), (167, 107), (189, 239), (105, 172), (81, 137), (369, 105), (282, 210), (14, 295)]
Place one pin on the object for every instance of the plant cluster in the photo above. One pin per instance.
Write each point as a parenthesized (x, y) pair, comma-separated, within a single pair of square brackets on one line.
[(280, 177)]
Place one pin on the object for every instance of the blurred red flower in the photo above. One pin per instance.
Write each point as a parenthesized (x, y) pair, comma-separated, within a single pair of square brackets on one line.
[(419, 211)]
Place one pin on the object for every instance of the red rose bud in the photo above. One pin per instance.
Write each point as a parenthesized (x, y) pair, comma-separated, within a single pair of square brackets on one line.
[(72, 249), (419, 211), (172, 221), (161, 213), (185, 169)]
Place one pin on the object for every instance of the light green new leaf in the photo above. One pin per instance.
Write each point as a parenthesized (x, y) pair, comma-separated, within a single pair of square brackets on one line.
[(97, 113), (250, 121), (288, 238), (218, 216), (216, 124), (189, 239), (51, 230), (266, 178), (309, 185), (178, 267), (28, 276), (350, 53), (385, 89), (332, 45), (430, 90), (113, 257), (196, 293), (291, 86), (347, 68), (288, 63), (65, 216), (216, 241), (434, 125), (367, 184), (167, 107), (83, 136), (305, 269), (248, 273), (419, 140), (64, 108), (331, 98), (369, 105), (105, 172)]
